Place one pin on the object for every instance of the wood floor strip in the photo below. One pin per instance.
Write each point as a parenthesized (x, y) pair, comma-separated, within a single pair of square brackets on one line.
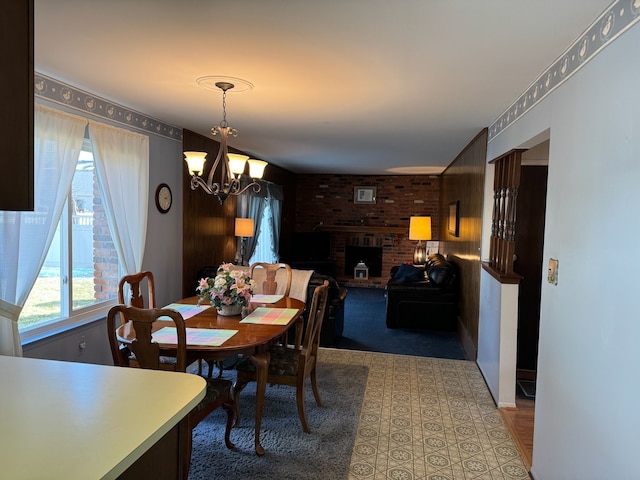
[(519, 420)]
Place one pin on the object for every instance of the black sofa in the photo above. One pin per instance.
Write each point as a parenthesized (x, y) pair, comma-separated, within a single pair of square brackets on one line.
[(423, 298)]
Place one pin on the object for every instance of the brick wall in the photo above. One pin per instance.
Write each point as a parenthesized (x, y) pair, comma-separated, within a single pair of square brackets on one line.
[(105, 257), (323, 201)]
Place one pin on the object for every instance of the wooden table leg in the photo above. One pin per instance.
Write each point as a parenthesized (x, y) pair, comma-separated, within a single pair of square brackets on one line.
[(261, 361)]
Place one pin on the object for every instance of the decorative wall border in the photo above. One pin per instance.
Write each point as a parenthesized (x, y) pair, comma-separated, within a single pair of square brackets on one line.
[(63, 94), (619, 17)]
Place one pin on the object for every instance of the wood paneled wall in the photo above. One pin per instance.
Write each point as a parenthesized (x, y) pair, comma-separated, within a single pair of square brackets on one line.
[(463, 181), (208, 227)]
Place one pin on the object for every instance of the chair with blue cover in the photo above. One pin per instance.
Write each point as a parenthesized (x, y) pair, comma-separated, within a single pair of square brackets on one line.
[(148, 356), (289, 365)]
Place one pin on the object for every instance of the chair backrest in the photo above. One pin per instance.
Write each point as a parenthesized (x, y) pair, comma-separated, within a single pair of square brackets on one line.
[(147, 353), (314, 320), (270, 285), (134, 281)]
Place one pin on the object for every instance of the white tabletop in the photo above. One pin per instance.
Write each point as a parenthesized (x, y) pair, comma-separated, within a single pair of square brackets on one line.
[(82, 421)]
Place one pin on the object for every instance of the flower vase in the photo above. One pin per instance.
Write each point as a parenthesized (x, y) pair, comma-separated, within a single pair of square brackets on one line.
[(229, 310)]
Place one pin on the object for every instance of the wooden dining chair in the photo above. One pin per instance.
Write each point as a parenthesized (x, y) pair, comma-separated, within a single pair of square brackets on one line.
[(134, 281), (147, 354), (132, 286), (289, 365), (270, 284)]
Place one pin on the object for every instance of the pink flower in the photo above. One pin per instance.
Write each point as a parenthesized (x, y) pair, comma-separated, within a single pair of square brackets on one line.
[(231, 286)]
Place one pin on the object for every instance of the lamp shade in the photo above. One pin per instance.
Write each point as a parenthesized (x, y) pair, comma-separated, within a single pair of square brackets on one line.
[(420, 228), (244, 227), (195, 161), (256, 168), (237, 163)]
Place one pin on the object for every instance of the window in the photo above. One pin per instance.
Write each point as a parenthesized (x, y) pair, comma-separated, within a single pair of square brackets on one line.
[(265, 245), (81, 271)]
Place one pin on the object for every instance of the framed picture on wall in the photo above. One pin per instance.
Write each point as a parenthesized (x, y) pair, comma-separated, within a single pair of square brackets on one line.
[(364, 195), (453, 222)]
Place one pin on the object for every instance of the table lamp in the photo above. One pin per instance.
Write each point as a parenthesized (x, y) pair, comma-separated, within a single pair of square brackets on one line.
[(244, 229), (420, 229)]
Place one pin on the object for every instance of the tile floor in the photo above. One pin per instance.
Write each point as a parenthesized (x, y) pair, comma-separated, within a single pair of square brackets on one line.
[(428, 419)]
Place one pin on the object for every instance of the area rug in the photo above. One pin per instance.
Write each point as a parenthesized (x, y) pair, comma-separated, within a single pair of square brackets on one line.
[(527, 388), (324, 453)]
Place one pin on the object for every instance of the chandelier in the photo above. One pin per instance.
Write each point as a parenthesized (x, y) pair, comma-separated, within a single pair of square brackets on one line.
[(232, 165)]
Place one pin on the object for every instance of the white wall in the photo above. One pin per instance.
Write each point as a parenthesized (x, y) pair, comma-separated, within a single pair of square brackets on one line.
[(586, 419), (163, 250), (497, 337)]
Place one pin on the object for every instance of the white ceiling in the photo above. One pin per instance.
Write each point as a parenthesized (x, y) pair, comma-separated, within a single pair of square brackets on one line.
[(339, 86)]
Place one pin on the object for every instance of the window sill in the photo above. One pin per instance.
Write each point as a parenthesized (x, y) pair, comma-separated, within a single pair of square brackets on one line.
[(48, 331)]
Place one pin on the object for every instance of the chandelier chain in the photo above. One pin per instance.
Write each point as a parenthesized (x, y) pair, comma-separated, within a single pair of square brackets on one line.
[(224, 122)]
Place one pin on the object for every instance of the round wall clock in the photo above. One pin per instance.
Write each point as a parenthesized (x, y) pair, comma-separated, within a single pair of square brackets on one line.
[(163, 198)]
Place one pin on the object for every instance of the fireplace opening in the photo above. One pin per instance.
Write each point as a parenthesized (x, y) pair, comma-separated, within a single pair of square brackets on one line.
[(371, 256)]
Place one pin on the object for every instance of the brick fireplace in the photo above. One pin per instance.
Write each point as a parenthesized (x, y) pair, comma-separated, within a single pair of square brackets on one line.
[(370, 256), (325, 203)]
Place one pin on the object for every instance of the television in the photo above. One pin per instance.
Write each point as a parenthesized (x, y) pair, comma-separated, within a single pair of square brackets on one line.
[(310, 246)]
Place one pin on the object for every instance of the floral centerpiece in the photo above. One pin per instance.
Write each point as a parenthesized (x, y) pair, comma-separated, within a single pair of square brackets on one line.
[(229, 291)]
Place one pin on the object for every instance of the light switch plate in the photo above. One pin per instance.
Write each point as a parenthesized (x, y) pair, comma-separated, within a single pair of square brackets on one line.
[(552, 275)]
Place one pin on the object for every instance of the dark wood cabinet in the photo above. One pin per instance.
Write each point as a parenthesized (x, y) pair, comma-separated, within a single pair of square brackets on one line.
[(16, 108)]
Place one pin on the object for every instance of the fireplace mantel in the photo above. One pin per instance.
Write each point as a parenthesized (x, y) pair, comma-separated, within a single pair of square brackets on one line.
[(364, 229), (392, 233)]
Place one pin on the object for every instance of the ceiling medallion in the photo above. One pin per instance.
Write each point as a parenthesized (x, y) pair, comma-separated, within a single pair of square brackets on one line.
[(211, 82)]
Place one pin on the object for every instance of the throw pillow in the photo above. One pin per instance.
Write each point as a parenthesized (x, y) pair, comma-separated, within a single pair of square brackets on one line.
[(408, 273)]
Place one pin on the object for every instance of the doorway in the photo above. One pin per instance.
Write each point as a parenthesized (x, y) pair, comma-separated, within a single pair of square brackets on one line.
[(529, 245)]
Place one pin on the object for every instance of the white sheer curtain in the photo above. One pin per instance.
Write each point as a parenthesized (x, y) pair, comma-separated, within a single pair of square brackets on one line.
[(25, 237), (122, 165)]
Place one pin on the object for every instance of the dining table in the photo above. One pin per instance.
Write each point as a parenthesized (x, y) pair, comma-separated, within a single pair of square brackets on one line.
[(215, 337)]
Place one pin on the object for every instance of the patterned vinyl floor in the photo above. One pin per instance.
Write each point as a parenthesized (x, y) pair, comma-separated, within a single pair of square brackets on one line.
[(428, 419)]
